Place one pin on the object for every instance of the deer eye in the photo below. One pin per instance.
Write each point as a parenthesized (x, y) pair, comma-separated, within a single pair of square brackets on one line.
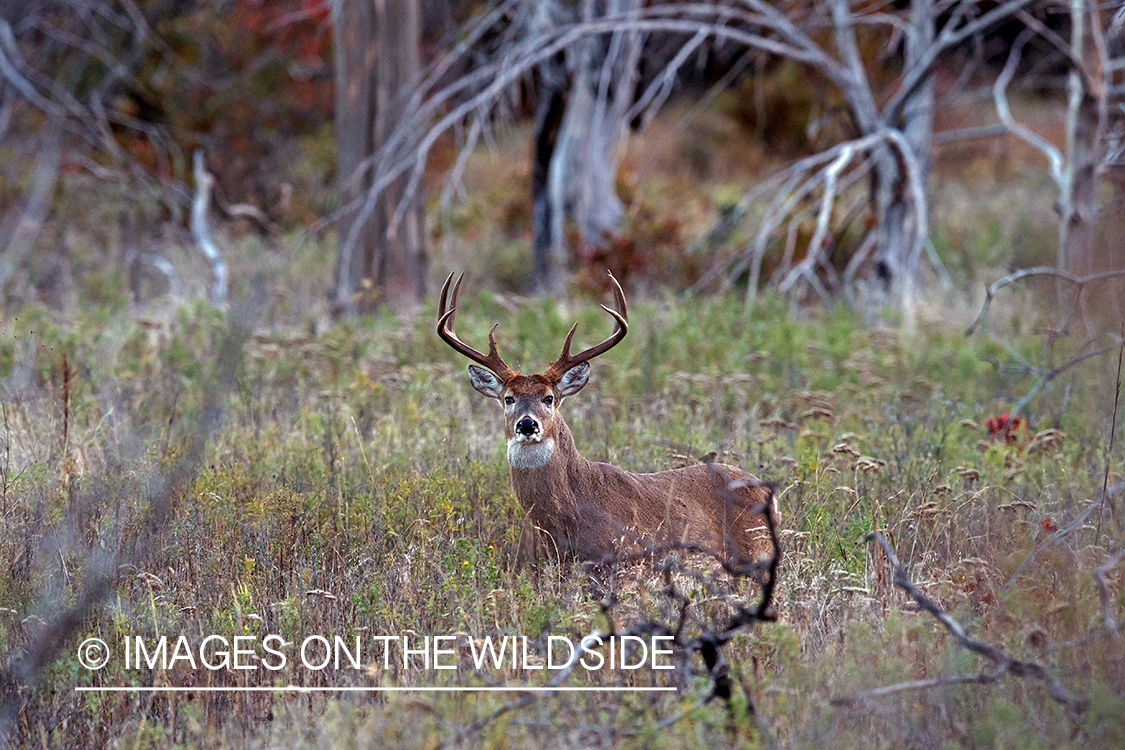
[(509, 400), (548, 400)]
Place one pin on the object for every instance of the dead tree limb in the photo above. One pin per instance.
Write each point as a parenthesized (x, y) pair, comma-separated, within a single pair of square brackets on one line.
[(27, 229), (1005, 664), (901, 687), (901, 128), (1061, 534), (1050, 375), (165, 267), (1108, 618), (201, 230), (708, 643), (1079, 281), (1018, 129)]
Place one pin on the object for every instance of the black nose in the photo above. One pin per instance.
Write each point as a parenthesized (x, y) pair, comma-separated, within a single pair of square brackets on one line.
[(527, 426)]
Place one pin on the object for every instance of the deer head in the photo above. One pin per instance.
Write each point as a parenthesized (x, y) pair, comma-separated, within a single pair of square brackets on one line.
[(530, 402)]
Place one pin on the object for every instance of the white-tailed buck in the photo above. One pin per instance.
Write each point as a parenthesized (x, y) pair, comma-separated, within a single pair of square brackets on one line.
[(595, 510)]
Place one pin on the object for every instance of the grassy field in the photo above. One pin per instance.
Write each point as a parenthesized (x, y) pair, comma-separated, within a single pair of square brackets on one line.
[(350, 482)]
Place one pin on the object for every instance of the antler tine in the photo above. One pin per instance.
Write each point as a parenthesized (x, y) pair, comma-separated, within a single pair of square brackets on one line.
[(445, 330), (566, 344), (620, 317), (443, 296), (618, 297)]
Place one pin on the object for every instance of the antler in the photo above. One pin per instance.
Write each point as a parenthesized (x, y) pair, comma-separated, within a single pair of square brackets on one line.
[(620, 317), (445, 329)]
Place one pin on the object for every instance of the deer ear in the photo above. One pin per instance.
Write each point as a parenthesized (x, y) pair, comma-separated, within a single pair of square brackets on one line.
[(574, 379), (485, 382)]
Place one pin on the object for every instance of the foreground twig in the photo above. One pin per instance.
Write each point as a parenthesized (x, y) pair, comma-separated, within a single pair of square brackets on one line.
[(44, 176), (1050, 375), (1111, 623), (708, 643), (1112, 430), (1061, 534), (1005, 664), (22, 669)]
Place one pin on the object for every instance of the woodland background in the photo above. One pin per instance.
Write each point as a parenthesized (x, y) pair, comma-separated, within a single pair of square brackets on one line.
[(872, 252)]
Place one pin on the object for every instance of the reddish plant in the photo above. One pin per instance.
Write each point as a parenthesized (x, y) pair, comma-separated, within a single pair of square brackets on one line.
[(1002, 425)]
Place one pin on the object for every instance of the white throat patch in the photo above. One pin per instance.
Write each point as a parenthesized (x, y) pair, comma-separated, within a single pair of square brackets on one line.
[(527, 455)]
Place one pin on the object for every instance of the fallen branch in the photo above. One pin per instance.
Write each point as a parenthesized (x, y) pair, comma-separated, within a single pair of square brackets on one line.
[(1062, 533), (1005, 664), (900, 687), (1111, 623)]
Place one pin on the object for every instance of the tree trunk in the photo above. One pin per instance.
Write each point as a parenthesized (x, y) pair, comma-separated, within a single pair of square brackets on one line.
[(548, 122), (577, 139), (1080, 206), (355, 52), (1078, 199), (377, 64), (898, 264)]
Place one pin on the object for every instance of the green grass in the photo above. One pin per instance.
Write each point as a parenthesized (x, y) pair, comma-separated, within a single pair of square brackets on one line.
[(352, 482)]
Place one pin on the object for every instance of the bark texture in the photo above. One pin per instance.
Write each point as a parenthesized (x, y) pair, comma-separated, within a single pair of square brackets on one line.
[(377, 65)]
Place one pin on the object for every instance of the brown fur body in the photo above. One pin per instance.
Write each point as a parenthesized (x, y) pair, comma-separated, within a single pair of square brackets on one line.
[(595, 510)]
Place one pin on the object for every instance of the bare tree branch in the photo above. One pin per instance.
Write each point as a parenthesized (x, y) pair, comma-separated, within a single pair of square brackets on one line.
[(201, 230), (1018, 129), (1108, 618), (950, 36), (1005, 664), (30, 224), (1059, 535), (1079, 281)]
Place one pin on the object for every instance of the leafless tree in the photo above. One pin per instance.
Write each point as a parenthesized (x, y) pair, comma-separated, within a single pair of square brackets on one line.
[(1093, 54), (65, 68), (586, 93), (892, 126), (891, 150)]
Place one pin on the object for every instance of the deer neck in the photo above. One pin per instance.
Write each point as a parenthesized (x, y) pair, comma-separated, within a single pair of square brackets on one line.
[(542, 472)]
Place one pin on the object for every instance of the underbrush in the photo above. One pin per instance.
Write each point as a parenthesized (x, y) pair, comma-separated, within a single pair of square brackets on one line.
[(351, 483)]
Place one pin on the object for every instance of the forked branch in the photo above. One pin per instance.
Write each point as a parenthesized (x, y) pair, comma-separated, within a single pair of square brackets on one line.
[(708, 643), (1005, 664), (1108, 618), (1080, 282)]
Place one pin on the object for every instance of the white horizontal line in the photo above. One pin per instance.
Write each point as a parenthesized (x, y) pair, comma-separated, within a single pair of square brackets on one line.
[(355, 689)]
